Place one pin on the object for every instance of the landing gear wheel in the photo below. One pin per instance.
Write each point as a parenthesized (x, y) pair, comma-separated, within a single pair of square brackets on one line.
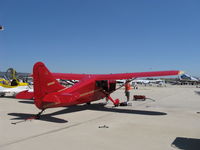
[(2, 95), (89, 103), (116, 102)]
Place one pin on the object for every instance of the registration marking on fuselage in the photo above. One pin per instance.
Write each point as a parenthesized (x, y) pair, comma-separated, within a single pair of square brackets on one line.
[(90, 92), (50, 83)]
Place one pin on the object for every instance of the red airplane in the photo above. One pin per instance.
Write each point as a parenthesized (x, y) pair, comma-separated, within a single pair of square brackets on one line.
[(48, 93)]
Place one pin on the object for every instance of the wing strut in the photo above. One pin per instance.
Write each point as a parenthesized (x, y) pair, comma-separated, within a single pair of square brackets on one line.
[(123, 84), (108, 97)]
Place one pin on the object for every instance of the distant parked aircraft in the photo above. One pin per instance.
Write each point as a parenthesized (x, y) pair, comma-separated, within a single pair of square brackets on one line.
[(188, 77), (10, 84), (1, 28), (158, 82)]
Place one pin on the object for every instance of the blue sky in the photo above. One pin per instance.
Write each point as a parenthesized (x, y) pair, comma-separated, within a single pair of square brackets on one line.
[(101, 36)]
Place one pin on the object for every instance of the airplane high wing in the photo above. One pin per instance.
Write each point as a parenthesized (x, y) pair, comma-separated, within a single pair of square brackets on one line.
[(120, 76), (69, 76), (48, 93)]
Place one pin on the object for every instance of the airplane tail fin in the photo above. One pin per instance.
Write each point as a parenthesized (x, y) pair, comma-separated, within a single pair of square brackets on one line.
[(44, 83)]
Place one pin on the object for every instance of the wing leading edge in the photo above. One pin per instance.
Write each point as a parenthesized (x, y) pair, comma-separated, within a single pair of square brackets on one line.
[(71, 76), (138, 75)]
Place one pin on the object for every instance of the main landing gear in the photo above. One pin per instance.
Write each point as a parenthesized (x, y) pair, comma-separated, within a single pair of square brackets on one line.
[(115, 102), (108, 97)]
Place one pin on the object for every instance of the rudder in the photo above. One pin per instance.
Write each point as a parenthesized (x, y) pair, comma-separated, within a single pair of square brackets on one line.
[(44, 83)]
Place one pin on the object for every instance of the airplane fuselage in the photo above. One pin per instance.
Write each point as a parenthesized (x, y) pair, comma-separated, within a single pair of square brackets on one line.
[(87, 90)]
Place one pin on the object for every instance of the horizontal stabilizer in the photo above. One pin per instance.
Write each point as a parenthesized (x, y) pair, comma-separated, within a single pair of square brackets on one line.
[(25, 95)]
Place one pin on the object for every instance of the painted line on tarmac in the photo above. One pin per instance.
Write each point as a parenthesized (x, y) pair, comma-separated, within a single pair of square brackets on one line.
[(52, 131)]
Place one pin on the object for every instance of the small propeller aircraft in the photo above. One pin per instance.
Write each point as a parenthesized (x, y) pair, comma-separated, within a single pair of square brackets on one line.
[(12, 84), (48, 93), (1, 28)]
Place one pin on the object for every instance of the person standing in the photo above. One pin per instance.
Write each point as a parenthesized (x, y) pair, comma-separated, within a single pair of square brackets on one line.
[(127, 90)]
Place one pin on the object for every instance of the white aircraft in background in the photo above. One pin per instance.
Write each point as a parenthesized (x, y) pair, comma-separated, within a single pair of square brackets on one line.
[(145, 82), (10, 84), (157, 82), (188, 77), (14, 90)]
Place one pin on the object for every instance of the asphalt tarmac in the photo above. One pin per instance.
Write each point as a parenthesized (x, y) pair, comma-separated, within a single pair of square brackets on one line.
[(170, 122)]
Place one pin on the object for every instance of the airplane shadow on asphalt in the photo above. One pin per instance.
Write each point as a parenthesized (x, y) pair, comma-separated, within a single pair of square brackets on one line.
[(197, 92), (95, 107), (27, 102), (186, 143)]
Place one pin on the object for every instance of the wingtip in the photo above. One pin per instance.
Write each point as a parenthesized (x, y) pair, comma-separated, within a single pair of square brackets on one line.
[(181, 72)]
